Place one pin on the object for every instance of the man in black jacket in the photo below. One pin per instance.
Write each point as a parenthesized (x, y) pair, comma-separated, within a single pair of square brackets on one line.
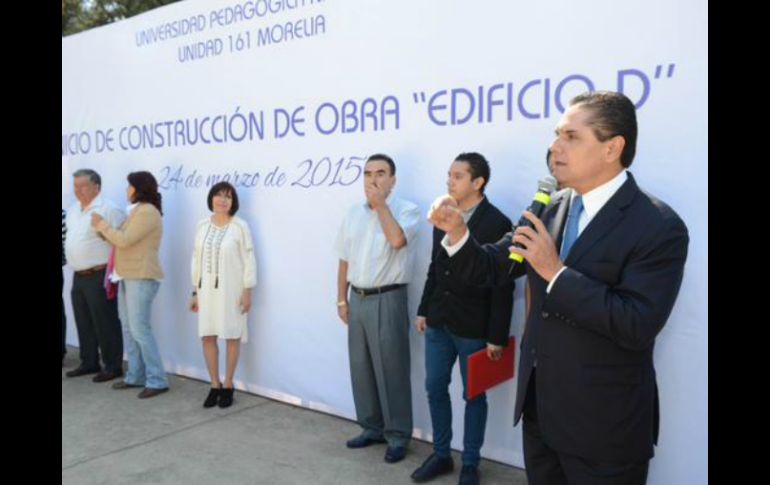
[(460, 319), (63, 262)]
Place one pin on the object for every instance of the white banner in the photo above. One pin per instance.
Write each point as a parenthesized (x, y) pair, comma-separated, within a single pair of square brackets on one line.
[(287, 98)]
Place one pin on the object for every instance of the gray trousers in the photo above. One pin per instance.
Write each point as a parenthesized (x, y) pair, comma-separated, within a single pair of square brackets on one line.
[(378, 345)]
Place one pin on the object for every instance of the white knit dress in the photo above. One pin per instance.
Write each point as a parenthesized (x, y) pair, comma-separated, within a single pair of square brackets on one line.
[(223, 264)]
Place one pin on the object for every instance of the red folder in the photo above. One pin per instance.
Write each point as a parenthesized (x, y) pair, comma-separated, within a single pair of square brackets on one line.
[(485, 373)]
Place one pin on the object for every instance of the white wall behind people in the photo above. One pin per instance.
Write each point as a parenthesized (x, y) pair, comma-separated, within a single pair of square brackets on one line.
[(432, 79)]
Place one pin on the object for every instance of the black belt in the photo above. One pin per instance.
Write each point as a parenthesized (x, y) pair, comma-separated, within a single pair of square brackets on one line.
[(375, 291), (90, 271)]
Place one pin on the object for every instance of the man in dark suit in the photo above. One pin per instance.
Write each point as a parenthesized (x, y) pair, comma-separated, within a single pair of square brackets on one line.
[(461, 319), (605, 265)]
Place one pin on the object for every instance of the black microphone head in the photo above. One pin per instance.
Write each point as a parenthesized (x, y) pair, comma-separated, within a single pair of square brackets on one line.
[(547, 184)]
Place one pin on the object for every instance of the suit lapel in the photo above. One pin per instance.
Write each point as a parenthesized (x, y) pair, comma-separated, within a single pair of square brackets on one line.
[(556, 216)]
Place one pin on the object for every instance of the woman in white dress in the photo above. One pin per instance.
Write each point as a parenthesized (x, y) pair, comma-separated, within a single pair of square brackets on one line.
[(224, 271)]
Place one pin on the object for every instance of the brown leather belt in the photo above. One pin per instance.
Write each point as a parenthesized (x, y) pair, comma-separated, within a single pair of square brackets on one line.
[(90, 271)]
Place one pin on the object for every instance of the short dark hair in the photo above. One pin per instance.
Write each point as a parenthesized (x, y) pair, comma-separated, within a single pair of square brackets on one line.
[(478, 165), (146, 189), (613, 115), (93, 177), (384, 158), (226, 187)]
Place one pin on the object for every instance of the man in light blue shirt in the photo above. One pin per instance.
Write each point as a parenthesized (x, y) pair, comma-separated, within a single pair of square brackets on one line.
[(374, 246)]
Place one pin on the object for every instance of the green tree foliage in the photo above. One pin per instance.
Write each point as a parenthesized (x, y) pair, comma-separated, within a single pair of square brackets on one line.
[(80, 15)]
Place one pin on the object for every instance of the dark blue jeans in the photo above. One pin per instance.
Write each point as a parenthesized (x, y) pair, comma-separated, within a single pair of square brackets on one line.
[(442, 349)]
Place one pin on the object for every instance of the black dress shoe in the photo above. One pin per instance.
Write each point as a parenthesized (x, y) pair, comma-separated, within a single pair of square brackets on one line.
[(469, 475), (432, 467), (226, 397), (81, 371), (148, 392), (213, 397), (362, 441), (105, 376), (125, 385), (395, 454)]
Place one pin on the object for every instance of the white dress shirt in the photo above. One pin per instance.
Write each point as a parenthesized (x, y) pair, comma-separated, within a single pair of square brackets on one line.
[(372, 261), (84, 246)]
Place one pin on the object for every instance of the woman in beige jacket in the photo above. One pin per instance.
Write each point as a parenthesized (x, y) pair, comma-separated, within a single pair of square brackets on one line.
[(137, 267)]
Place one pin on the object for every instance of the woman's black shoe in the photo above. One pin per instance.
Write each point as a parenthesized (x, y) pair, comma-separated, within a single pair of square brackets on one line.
[(213, 397), (226, 397)]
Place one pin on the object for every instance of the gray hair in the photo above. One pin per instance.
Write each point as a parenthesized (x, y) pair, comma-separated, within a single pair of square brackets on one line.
[(94, 177)]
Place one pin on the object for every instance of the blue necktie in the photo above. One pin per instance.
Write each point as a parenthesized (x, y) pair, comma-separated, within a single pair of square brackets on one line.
[(571, 232)]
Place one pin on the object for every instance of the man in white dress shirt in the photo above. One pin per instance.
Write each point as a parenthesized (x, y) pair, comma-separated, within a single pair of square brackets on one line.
[(374, 246), (87, 252)]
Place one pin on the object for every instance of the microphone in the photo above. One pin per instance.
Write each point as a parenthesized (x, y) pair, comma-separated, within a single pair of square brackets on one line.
[(545, 186)]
